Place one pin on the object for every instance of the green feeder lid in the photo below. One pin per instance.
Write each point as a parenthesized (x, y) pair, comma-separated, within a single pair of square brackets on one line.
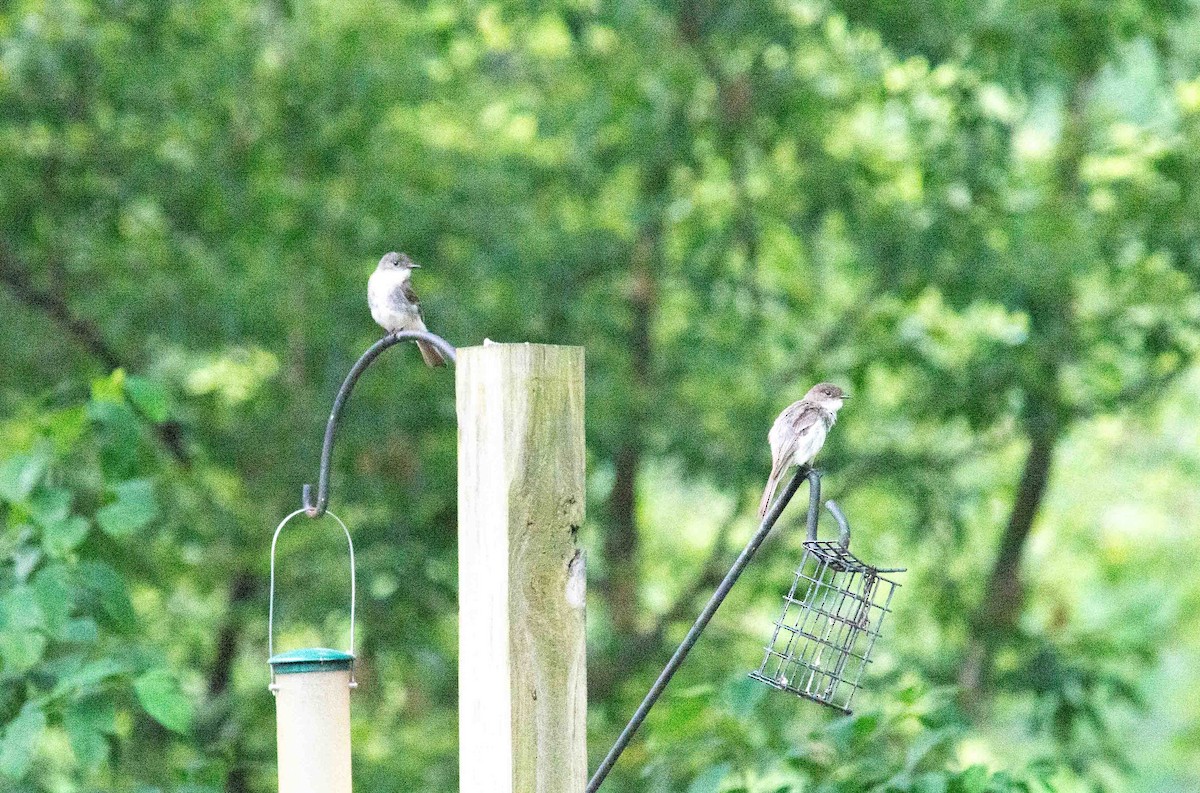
[(311, 659)]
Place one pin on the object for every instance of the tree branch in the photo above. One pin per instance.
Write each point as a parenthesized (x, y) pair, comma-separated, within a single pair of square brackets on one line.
[(16, 279), (84, 332), (1003, 599)]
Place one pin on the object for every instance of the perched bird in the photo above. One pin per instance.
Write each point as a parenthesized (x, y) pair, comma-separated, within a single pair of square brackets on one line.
[(394, 304), (799, 433)]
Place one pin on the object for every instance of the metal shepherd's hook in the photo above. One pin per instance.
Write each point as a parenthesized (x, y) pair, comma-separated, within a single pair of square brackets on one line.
[(814, 507), (316, 508)]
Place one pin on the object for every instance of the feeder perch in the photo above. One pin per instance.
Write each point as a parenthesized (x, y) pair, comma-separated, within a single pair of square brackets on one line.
[(831, 617), (312, 702)]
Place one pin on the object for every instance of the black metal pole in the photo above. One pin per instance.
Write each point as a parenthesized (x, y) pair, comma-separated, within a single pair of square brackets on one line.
[(710, 609), (315, 509)]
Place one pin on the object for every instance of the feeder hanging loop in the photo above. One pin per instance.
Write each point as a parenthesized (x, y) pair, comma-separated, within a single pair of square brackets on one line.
[(271, 596)]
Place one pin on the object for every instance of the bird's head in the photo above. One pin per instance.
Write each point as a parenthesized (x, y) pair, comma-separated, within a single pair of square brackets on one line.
[(397, 261), (827, 395)]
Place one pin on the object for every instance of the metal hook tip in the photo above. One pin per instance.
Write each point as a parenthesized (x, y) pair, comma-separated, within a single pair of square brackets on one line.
[(311, 508)]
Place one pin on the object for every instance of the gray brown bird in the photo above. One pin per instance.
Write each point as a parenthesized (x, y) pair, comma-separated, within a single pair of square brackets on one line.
[(394, 304), (799, 433)]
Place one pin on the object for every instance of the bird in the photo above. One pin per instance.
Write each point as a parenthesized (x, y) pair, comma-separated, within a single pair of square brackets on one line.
[(799, 433), (394, 304)]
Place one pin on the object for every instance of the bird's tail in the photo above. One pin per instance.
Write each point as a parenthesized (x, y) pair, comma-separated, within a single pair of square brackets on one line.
[(430, 354), (772, 483)]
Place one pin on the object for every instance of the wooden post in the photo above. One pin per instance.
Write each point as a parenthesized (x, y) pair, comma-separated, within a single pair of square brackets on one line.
[(522, 670)]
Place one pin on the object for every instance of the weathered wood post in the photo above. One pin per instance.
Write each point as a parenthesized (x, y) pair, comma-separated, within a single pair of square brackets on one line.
[(522, 668)]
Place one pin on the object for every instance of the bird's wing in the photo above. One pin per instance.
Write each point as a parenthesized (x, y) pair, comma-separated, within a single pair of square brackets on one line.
[(407, 295), (404, 293), (794, 424)]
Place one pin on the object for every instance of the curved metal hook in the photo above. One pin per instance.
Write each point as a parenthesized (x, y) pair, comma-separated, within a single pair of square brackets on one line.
[(843, 524), (814, 503), (315, 509)]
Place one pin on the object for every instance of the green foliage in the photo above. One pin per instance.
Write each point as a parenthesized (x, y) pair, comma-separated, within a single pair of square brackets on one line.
[(909, 744), (159, 694), (981, 217), (75, 660), (21, 738), (132, 509)]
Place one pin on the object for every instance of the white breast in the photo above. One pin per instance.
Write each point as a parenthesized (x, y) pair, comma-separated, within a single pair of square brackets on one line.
[(391, 314), (810, 443)]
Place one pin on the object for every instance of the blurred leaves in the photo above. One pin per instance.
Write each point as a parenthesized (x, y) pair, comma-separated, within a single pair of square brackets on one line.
[(21, 738), (160, 695), (981, 218), (72, 652), (21, 472), (132, 508), (88, 724)]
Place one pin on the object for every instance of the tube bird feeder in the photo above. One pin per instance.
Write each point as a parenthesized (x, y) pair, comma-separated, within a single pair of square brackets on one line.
[(312, 702)]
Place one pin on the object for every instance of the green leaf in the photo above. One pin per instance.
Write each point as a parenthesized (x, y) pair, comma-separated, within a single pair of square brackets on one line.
[(78, 631), (160, 695), (50, 505), (20, 473), (89, 747), (55, 595), (118, 431), (21, 740), (149, 396), (86, 677), (710, 781), (64, 536), (107, 585), (931, 782), (25, 557), (133, 509), (65, 427), (20, 610), (923, 744), (743, 696), (21, 650), (111, 388), (973, 779), (86, 723)]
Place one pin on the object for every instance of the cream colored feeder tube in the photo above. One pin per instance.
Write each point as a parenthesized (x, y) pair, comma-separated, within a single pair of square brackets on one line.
[(312, 718)]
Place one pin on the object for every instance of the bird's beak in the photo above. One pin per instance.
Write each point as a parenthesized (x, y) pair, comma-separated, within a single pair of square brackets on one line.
[(845, 396), (415, 266)]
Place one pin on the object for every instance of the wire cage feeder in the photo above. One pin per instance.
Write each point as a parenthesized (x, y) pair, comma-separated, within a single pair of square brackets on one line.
[(831, 617)]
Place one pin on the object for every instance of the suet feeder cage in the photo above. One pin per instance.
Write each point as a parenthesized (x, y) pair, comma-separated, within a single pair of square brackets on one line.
[(312, 702), (831, 617)]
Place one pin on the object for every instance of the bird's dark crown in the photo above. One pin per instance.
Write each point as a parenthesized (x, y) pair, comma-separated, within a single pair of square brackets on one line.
[(398, 261), (826, 391)]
